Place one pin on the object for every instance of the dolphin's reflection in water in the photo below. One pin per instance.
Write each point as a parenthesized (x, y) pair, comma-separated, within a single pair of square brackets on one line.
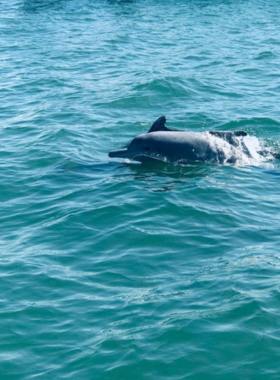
[(162, 177), (120, 1), (156, 177), (35, 6)]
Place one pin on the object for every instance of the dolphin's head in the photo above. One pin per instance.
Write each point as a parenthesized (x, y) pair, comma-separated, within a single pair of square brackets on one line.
[(142, 146), (138, 147)]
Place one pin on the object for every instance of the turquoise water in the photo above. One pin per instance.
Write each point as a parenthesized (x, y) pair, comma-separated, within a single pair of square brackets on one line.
[(117, 270)]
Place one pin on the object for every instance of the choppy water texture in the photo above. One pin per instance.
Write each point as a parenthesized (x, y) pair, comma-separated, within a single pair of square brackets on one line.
[(116, 270)]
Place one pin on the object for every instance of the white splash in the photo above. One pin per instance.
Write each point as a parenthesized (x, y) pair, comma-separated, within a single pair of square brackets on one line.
[(247, 150)]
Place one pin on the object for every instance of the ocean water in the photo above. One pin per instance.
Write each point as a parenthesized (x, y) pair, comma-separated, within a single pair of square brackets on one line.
[(114, 270)]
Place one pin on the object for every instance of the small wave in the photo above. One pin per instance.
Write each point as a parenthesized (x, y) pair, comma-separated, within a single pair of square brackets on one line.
[(265, 55), (172, 86), (250, 122)]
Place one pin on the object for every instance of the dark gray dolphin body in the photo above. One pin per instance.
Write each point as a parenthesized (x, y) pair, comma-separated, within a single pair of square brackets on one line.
[(161, 143)]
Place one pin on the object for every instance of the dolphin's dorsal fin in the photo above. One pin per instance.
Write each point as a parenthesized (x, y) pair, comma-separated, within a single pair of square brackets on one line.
[(159, 125)]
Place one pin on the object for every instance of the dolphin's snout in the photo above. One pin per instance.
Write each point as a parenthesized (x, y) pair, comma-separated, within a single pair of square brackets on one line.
[(121, 153)]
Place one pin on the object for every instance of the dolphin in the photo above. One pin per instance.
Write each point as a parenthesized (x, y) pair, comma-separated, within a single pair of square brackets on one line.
[(164, 144)]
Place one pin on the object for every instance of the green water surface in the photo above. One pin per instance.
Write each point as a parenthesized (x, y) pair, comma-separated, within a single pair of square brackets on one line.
[(118, 271)]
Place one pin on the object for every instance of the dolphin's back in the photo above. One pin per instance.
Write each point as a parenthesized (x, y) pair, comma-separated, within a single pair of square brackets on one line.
[(179, 145)]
